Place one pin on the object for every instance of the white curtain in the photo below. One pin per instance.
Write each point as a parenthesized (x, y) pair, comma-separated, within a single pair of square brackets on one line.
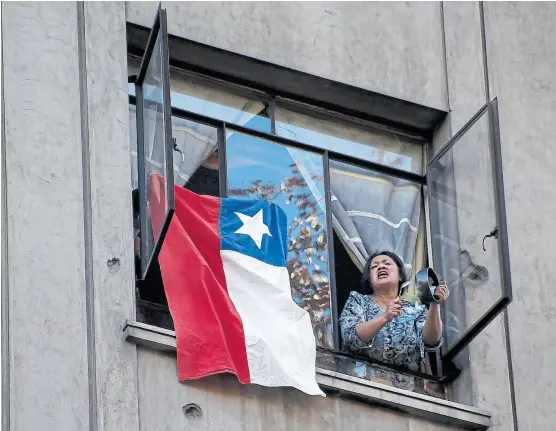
[(374, 212)]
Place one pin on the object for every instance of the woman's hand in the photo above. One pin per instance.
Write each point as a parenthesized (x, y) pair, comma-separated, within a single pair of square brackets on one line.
[(393, 309), (442, 292)]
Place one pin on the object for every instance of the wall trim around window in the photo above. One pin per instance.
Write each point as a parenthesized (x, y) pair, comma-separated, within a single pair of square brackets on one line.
[(288, 83), (336, 384)]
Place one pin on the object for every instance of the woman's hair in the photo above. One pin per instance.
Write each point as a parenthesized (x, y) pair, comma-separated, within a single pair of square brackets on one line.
[(366, 286)]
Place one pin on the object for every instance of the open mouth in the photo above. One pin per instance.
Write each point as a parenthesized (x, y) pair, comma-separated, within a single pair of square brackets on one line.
[(382, 273)]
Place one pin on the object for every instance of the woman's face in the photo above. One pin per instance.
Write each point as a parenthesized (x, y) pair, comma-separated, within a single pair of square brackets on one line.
[(384, 272)]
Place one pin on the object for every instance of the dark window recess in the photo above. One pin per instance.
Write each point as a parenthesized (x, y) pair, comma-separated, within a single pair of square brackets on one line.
[(348, 275), (204, 182)]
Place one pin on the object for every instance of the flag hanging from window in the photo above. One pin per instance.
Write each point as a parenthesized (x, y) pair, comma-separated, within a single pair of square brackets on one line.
[(223, 265)]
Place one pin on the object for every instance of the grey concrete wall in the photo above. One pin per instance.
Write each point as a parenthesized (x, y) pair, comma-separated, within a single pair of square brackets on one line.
[(47, 317), (228, 405), (393, 48), (521, 52), (68, 214), (396, 49)]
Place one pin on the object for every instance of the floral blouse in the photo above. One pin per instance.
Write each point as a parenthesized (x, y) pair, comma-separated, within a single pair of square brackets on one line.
[(399, 342)]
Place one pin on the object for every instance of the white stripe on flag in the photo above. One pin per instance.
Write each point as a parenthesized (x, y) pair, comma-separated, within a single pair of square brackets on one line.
[(278, 333)]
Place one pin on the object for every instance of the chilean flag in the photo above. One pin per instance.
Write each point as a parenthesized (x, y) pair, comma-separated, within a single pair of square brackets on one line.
[(223, 264)]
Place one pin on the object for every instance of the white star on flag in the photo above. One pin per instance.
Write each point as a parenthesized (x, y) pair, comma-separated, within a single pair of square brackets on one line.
[(253, 227)]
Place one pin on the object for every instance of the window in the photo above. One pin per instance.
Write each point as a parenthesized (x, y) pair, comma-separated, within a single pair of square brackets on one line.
[(349, 187)]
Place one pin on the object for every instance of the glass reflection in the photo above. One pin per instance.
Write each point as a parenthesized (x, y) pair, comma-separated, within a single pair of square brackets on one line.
[(219, 101), (195, 155), (384, 147), (155, 146), (195, 166), (463, 212), (214, 99), (294, 180)]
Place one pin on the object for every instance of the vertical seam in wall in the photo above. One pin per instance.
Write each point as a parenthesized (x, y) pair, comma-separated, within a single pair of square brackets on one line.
[(506, 324), (484, 48), (445, 57), (87, 218), (4, 292), (137, 387), (505, 319)]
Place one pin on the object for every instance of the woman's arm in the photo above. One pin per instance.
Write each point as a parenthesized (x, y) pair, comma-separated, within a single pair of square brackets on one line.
[(352, 315), (366, 331), (432, 331)]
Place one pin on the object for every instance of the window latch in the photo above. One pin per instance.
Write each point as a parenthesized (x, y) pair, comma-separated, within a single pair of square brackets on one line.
[(492, 234), (178, 150), (132, 79)]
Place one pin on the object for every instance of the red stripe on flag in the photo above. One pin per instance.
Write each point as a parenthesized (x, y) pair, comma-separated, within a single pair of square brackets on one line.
[(209, 332)]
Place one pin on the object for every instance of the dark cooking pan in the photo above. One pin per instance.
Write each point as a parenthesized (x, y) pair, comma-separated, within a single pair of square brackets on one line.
[(426, 282)]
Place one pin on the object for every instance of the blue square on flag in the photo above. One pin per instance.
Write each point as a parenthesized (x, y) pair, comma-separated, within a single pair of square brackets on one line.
[(255, 228)]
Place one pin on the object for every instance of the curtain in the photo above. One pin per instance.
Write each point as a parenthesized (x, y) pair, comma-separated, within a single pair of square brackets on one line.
[(374, 212)]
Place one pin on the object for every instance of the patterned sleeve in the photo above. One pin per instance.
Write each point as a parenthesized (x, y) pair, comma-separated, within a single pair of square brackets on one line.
[(352, 314), (420, 324)]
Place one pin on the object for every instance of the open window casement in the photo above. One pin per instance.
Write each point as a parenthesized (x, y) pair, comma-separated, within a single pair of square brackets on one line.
[(467, 230), (154, 143)]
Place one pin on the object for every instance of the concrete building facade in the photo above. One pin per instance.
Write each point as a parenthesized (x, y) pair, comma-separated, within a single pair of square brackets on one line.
[(68, 252)]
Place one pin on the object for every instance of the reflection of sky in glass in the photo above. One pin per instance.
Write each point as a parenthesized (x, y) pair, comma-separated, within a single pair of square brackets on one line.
[(343, 146), (251, 160), (290, 131), (215, 110), (154, 145)]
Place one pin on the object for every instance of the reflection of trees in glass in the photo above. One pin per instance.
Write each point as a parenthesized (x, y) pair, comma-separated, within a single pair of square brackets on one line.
[(307, 245)]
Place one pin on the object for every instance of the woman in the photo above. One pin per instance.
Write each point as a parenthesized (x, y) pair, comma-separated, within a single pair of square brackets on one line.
[(378, 324)]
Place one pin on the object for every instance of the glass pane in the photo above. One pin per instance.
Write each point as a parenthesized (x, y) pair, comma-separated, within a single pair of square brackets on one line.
[(195, 156), (462, 208), (197, 169), (135, 189), (384, 147), (154, 144), (294, 180), (219, 101), (216, 100)]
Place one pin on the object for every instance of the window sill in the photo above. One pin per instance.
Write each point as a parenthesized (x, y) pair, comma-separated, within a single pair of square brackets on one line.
[(419, 405)]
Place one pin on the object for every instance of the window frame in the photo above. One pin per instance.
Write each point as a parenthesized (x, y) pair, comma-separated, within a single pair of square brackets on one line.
[(490, 109), (223, 126), (159, 29), (335, 100)]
